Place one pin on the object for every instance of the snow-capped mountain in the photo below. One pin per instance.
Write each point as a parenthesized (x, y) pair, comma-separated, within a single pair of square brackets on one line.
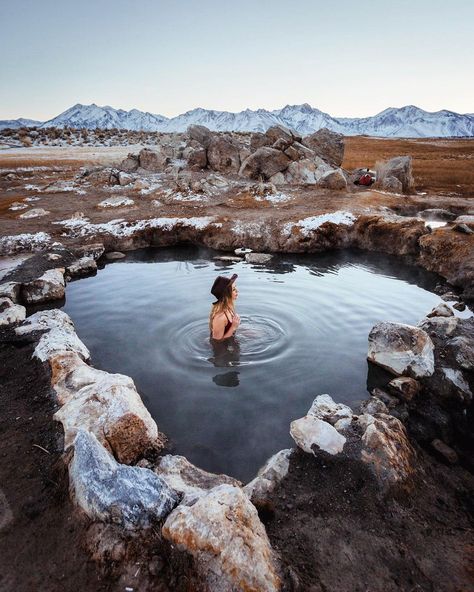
[(404, 122), (92, 116), (17, 123)]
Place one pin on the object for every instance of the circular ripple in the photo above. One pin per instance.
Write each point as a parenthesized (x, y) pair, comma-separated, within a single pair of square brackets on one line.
[(258, 339)]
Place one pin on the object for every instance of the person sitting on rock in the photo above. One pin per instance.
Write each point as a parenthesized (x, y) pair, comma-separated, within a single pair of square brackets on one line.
[(223, 320)]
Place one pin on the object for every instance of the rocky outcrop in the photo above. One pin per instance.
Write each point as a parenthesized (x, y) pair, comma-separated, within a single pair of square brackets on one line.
[(153, 161), (333, 179), (392, 234), (264, 162), (223, 155), (327, 145), (49, 286), (224, 535), (108, 491), (398, 168), (401, 349)]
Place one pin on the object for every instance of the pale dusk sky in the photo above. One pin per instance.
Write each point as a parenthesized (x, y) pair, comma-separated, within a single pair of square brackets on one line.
[(349, 59)]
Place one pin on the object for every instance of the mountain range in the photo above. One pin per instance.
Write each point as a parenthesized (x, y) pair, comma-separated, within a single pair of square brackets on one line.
[(404, 122)]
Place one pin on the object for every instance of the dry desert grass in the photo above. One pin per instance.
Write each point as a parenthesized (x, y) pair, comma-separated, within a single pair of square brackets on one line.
[(439, 165)]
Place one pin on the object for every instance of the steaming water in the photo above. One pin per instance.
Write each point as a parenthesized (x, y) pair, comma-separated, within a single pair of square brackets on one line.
[(304, 327)]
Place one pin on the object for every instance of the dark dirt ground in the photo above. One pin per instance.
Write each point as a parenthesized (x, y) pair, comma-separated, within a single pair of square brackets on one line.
[(336, 533), (327, 520), (40, 547)]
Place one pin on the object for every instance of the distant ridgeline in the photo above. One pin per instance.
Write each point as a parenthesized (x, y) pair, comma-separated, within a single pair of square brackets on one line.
[(406, 122)]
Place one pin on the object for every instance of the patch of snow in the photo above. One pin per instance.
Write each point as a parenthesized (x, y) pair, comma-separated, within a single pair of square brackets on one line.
[(24, 242), (120, 228), (73, 222), (33, 198), (307, 225), (30, 187), (274, 198), (190, 197), (116, 202)]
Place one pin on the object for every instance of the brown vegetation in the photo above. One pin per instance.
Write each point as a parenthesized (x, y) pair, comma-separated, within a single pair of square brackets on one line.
[(440, 165)]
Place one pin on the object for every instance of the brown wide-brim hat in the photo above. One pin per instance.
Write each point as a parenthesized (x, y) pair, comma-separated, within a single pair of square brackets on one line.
[(220, 285)]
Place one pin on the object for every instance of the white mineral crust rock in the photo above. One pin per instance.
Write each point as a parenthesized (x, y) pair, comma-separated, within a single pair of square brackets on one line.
[(310, 431), (24, 242), (34, 213), (272, 472), (325, 408), (189, 480), (107, 405), (110, 492), (11, 313), (223, 532), (50, 286), (59, 337), (401, 349)]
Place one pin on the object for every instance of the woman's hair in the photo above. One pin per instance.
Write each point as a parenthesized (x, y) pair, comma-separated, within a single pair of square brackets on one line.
[(222, 305)]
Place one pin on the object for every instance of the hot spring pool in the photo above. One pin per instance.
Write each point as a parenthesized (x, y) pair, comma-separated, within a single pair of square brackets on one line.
[(304, 328)]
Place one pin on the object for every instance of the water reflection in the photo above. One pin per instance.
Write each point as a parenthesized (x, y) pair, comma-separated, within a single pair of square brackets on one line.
[(226, 354)]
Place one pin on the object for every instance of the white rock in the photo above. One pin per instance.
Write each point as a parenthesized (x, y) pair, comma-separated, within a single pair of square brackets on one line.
[(310, 431), (34, 213), (59, 338), (325, 408), (401, 349), (11, 313), (50, 286), (104, 404), (116, 202), (343, 424), (133, 497), (24, 242), (258, 258), (223, 532), (442, 310), (189, 480), (272, 472)]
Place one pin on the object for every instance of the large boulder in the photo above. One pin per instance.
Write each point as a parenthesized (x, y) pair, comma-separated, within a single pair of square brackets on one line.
[(333, 179), (196, 157), (129, 164), (223, 155), (49, 286), (200, 133), (298, 151), (81, 267), (327, 145), (106, 405), (264, 162), (301, 172), (107, 491), (312, 434), (325, 408), (259, 140), (153, 161), (279, 132), (400, 168), (223, 533), (401, 349)]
